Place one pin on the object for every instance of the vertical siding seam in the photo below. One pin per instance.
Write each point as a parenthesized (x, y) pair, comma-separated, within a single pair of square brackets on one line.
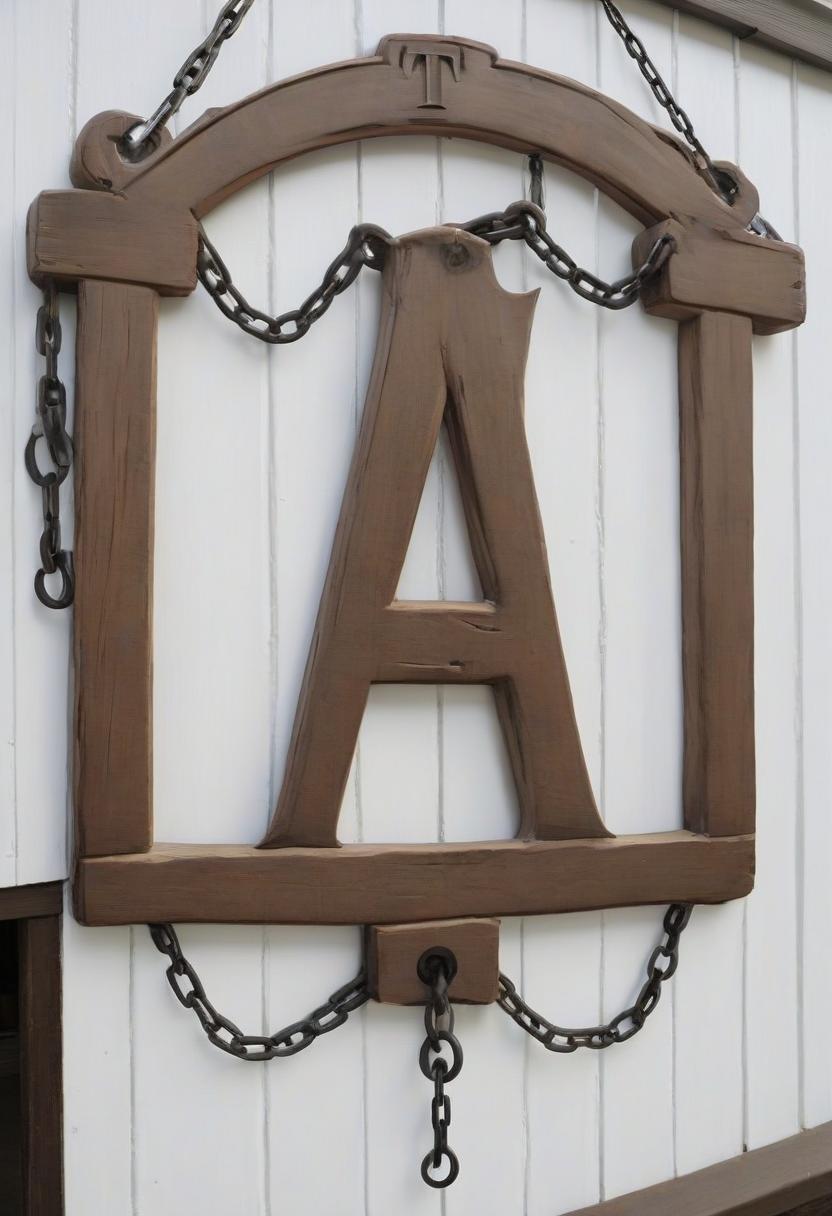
[(14, 471), (602, 637), (800, 807), (526, 1130), (441, 559), (735, 44), (674, 1038)]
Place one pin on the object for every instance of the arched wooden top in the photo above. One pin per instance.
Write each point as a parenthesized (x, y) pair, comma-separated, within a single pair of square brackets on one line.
[(419, 85)]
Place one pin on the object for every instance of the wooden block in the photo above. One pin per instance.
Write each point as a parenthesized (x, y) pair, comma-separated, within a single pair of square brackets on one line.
[(393, 953), (718, 271)]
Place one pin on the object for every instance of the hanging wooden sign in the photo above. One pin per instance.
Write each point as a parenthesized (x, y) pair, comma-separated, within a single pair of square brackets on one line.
[(451, 344)]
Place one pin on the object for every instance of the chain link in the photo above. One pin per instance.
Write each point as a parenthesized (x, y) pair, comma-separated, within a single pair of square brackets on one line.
[(51, 427), (661, 966), (228, 1037), (138, 141), (524, 221), (365, 247), (439, 1028), (721, 178)]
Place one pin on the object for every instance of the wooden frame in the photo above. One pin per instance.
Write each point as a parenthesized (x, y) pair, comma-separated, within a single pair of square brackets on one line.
[(785, 1179), (802, 28), (37, 911), (128, 234)]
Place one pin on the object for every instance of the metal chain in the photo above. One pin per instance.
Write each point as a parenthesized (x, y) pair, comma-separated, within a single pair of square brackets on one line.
[(627, 1023), (365, 247), (138, 141), (721, 178), (223, 1033), (51, 427), (524, 221), (439, 1028)]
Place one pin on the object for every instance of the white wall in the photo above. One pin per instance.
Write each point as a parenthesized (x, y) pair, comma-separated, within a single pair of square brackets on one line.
[(253, 450)]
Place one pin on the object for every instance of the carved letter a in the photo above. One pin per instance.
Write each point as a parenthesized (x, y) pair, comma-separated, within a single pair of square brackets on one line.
[(451, 342)]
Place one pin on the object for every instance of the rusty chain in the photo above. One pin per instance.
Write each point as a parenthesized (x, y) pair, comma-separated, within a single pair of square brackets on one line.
[(228, 1037), (51, 427), (662, 965)]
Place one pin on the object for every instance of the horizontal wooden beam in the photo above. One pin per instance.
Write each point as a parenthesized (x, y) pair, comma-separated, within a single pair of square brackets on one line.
[(802, 28), (37, 899), (392, 883), (770, 1181)]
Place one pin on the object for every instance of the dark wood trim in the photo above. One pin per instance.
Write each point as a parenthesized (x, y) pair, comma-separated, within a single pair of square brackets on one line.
[(392, 883), (801, 28), (770, 1181), (39, 899), (41, 1093)]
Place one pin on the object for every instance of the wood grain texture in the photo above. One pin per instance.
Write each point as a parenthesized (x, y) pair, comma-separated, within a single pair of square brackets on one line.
[(85, 234), (37, 899), (451, 343), (770, 1181), (717, 491), (115, 438), (392, 954), (802, 28), (388, 884), (39, 952), (746, 275), (492, 100)]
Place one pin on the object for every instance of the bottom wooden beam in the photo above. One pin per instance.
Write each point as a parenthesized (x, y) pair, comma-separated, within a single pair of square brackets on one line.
[(392, 883), (773, 1181), (41, 1091)]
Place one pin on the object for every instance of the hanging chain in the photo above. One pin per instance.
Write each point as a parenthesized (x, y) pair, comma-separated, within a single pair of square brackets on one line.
[(365, 247), (138, 141), (524, 221), (722, 179), (229, 1038), (662, 965), (51, 427), (438, 970)]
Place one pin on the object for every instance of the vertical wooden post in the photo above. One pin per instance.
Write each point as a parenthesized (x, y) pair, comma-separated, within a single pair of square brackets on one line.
[(717, 489), (41, 1096), (115, 438)]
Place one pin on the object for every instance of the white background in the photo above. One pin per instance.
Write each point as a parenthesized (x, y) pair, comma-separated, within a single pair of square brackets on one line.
[(254, 445)]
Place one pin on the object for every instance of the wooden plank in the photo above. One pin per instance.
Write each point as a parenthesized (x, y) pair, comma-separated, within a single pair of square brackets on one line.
[(115, 437), (772, 1077), (640, 639), (767, 1182), (37, 899), (90, 234), (363, 884), (717, 491), (802, 28), (393, 953), (39, 948), (815, 507)]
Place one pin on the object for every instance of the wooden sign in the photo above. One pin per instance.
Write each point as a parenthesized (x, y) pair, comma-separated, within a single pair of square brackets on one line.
[(451, 343)]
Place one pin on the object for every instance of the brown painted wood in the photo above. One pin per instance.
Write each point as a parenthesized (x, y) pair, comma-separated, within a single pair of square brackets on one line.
[(37, 899), (392, 954), (767, 1182), (82, 234), (39, 948), (115, 413), (476, 95), (717, 512), (744, 274), (451, 343), (392, 884), (802, 28)]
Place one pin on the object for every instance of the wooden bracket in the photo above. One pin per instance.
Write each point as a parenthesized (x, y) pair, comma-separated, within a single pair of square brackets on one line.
[(130, 234), (393, 952)]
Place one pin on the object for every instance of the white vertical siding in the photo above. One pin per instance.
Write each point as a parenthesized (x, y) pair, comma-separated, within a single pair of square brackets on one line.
[(254, 446)]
